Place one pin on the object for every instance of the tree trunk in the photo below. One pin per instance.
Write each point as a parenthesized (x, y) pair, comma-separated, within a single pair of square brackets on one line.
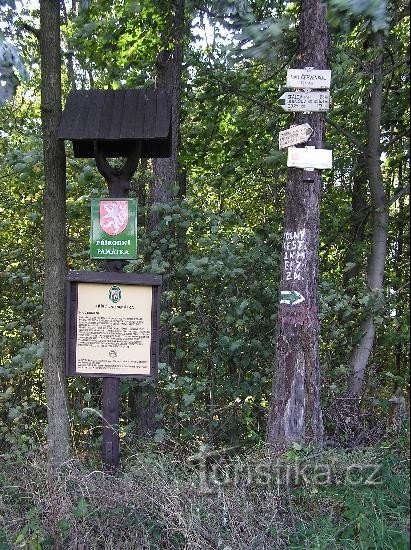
[(54, 236), (376, 260), (358, 223), (169, 69), (295, 412), (399, 348), (163, 190), (166, 170)]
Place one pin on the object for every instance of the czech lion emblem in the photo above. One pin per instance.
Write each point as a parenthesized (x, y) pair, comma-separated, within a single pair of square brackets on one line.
[(113, 216)]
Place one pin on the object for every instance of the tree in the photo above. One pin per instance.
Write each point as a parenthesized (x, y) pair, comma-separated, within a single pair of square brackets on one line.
[(165, 181), (54, 235), (376, 42), (295, 412)]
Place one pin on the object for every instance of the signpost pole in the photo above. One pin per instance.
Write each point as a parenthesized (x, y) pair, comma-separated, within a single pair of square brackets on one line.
[(118, 182)]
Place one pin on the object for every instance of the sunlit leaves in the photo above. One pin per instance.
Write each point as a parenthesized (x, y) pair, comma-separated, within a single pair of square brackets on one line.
[(344, 12)]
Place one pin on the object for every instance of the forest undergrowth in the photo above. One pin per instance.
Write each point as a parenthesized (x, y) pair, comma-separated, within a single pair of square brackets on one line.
[(228, 499)]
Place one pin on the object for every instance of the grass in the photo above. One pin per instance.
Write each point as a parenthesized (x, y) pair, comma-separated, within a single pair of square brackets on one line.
[(302, 499)]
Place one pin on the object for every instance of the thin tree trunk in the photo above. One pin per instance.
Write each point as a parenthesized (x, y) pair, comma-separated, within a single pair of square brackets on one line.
[(358, 222), (295, 411), (69, 53), (54, 236), (376, 260), (398, 267)]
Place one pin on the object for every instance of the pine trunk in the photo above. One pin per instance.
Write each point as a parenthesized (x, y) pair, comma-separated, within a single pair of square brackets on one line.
[(163, 190), (295, 412)]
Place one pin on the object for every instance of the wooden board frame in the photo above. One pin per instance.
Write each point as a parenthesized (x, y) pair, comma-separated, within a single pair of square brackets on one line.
[(144, 279)]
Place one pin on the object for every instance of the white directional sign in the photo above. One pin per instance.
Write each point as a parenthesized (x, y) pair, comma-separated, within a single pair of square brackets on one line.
[(305, 101), (294, 135), (308, 78), (310, 158)]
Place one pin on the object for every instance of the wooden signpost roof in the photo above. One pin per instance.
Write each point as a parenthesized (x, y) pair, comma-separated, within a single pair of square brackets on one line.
[(117, 119)]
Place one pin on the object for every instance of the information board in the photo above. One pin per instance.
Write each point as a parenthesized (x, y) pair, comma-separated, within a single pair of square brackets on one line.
[(112, 324)]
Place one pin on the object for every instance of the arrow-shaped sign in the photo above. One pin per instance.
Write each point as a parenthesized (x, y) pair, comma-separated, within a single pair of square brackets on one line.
[(294, 135), (291, 297), (308, 78), (305, 101)]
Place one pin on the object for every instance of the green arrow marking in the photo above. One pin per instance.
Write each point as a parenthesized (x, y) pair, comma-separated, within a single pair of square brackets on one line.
[(291, 297)]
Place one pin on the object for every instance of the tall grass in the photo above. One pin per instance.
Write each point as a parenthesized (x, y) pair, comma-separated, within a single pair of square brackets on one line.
[(256, 500)]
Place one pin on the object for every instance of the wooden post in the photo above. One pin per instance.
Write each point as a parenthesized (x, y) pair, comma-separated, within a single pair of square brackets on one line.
[(118, 182), (111, 416)]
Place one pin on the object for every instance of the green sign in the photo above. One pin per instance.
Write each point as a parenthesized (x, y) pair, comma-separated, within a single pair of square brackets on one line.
[(113, 234)]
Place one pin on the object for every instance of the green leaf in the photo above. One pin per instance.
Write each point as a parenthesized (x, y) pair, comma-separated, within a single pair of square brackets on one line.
[(159, 435), (189, 398), (82, 508)]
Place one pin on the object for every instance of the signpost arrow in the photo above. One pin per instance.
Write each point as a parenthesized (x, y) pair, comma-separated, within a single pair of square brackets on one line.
[(294, 135), (305, 101), (291, 297), (308, 78), (310, 158)]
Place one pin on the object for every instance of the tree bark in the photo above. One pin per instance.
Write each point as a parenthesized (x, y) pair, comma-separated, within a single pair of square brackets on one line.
[(163, 190), (168, 78), (54, 236), (358, 222), (295, 411), (376, 260)]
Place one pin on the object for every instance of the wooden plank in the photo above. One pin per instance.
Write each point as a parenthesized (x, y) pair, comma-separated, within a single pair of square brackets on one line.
[(115, 277), (80, 116), (129, 115), (105, 122), (139, 114), (150, 114), (95, 114), (71, 327), (74, 107), (118, 112), (155, 332), (163, 115)]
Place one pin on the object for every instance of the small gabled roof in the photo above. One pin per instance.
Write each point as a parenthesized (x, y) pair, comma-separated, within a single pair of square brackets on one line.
[(117, 119)]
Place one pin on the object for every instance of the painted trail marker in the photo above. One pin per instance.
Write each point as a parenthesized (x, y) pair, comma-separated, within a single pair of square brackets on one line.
[(291, 297), (294, 135), (310, 158), (305, 101), (308, 78)]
